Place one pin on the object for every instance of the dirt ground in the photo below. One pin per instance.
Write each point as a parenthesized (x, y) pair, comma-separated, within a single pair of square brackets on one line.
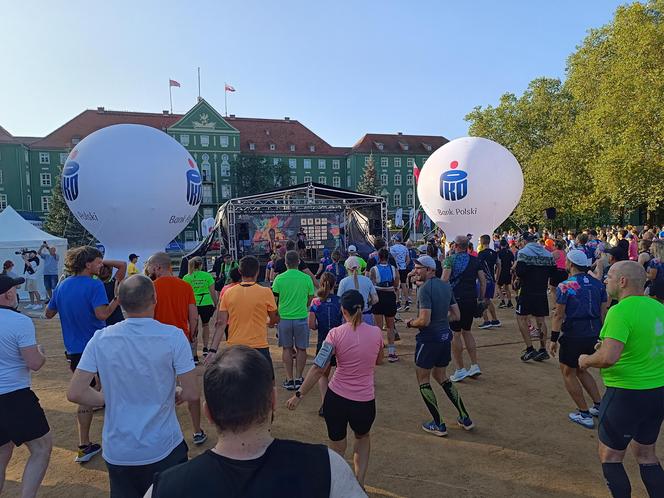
[(523, 444)]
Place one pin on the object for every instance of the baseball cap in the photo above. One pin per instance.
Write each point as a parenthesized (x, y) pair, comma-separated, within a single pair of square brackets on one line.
[(529, 237), (426, 261), (422, 248), (616, 252), (578, 257), (396, 236), (352, 248), (7, 282), (352, 262), (132, 256)]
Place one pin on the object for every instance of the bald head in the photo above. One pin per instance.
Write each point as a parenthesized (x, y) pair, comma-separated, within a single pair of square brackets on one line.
[(461, 243), (159, 265), (136, 295), (626, 278)]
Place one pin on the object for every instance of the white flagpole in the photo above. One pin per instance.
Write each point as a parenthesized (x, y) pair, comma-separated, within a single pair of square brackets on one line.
[(225, 99), (170, 94)]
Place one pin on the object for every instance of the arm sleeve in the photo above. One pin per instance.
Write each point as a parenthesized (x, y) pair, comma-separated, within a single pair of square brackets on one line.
[(26, 334), (615, 327), (88, 360), (182, 359), (99, 295), (343, 483)]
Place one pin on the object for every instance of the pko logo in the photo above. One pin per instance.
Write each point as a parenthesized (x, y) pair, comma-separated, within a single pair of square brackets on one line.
[(70, 181), (194, 185), (454, 183)]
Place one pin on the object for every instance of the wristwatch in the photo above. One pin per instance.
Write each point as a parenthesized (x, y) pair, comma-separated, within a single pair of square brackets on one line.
[(211, 350), (298, 394)]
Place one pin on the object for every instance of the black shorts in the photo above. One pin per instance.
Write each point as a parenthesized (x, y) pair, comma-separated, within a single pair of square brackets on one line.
[(266, 352), (467, 309), (340, 412), (73, 359), (505, 278), (535, 305), (386, 305), (21, 417), (205, 312), (573, 347), (559, 276), (403, 276), (627, 414), (432, 354)]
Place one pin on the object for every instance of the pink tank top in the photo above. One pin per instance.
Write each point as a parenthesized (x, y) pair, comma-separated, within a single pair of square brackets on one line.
[(560, 260)]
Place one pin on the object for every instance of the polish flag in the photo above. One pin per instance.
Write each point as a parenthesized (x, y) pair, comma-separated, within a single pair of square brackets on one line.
[(228, 88), (416, 172), (173, 83)]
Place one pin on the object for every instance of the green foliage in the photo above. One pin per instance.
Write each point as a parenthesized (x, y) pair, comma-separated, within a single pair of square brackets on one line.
[(368, 184), (61, 221), (251, 175), (282, 174)]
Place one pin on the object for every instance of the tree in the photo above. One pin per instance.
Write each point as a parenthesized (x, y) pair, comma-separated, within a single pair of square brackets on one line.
[(61, 221), (251, 175), (282, 174), (368, 184)]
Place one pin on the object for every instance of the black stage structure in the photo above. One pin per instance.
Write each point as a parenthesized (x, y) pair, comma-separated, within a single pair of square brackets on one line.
[(332, 218)]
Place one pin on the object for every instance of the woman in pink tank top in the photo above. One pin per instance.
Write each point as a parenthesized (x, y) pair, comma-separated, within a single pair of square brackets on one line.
[(350, 398)]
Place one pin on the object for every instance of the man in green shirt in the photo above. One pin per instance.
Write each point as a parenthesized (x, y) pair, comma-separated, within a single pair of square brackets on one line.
[(631, 357), (294, 290), (202, 283)]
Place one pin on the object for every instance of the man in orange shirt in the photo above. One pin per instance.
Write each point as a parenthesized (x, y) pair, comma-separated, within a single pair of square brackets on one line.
[(176, 305), (248, 305)]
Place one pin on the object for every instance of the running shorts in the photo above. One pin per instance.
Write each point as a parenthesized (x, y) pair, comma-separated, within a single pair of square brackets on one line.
[(573, 347), (505, 278), (386, 305), (21, 417), (432, 354), (205, 312), (535, 305), (73, 359), (340, 412), (467, 308), (293, 333)]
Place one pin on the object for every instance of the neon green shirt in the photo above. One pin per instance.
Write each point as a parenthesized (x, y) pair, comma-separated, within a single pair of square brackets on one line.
[(294, 289), (201, 281), (637, 322)]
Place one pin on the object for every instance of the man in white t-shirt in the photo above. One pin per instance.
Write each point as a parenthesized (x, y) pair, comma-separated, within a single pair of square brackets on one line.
[(139, 360), (22, 419), (402, 257)]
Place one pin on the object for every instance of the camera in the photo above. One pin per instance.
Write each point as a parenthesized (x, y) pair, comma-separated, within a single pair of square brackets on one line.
[(23, 251)]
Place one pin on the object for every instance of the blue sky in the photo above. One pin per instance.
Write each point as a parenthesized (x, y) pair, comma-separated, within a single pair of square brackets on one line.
[(343, 68)]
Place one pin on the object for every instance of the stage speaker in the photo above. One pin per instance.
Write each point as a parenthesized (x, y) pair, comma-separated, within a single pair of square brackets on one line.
[(243, 231), (550, 213), (375, 227)]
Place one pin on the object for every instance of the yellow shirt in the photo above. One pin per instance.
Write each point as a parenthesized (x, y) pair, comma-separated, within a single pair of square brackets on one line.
[(131, 269)]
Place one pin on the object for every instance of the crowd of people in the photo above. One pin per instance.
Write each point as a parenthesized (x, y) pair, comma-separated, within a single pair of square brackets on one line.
[(124, 328)]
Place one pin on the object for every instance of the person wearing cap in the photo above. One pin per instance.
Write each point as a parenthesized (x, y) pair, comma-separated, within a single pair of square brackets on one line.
[(385, 277), (352, 252), (350, 397), (22, 419), (436, 307), (581, 305), (324, 262), (355, 280), (131, 267)]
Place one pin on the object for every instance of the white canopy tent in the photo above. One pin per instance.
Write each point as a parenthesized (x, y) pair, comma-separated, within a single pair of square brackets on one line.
[(17, 234)]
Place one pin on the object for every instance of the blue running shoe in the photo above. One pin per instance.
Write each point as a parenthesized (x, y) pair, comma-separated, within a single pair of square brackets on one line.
[(465, 423), (433, 428)]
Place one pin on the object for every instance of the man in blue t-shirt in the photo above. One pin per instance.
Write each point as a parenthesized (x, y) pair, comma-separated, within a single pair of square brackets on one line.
[(81, 302), (436, 306), (581, 304)]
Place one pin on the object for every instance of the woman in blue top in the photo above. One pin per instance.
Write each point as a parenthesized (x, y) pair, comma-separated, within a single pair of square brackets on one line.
[(324, 262), (385, 278), (324, 315), (336, 268)]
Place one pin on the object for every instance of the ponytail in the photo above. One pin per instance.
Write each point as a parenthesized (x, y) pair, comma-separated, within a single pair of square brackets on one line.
[(356, 319), (327, 282), (356, 280)]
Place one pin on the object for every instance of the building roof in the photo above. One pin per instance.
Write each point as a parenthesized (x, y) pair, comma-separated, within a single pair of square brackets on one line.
[(90, 121), (399, 144), (8, 138), (282, 133)]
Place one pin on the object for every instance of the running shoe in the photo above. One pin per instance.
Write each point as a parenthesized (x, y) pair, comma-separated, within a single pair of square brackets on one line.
[(582, 419), (435, 429), (485, 325), (397, 337), (407, 307), (196, 361), (199, 437), (298, 382), (502, 305), (594, 410), (465, 423), (205, 352), (289, 384), (459, 375), (527, 355), (510, 305), (474, 371), (542, 355), (392, 357), (86, 452), (496, 323)]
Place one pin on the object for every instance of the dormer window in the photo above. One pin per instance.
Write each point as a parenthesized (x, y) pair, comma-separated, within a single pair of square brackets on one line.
[(292, 147), (273, 146), (427, 147), (379, 145), (252, 146), (403, 145), (312, 148), (75, 140)]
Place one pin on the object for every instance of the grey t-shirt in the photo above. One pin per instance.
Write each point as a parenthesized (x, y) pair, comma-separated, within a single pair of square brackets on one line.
[(365, 287), (50, 263), (437, 296)]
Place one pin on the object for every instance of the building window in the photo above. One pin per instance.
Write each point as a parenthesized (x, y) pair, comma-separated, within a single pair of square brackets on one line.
[(379, 145), (291, 147), (184, 140), (409, 198), (207, 194), (27, 178), (397, 198), (384, 194), (205, 140), (292, 163), (336, 164), (225, 169), (307, 179), (26, 157), (3, 201), (383, 179), (307, 164), (397, 162), (366, 161), (336, 181), (63, 157), (322, 179), (397, 180), (45, 179), (409, 178), (225, 191), (321, 164), (223, 141), (75, 140), (410, 162), (348, 181), (273, 147), (383, 162), (44, 158), (0, 177), (28, 199), (275, 161), (46, 203), (312, 148), (252, 146), (208, 213), (293, 180)]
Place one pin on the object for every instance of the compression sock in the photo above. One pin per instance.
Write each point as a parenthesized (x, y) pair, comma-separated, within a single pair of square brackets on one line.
[(652, 476), (430, 400), (617, 480), (454, 396)]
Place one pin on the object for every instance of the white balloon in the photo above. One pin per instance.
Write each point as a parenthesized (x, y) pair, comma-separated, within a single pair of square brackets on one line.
[(133, 187), (470, 185)]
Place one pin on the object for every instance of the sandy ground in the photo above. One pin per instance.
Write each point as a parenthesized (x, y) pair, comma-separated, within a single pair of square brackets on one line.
[(523, 444)]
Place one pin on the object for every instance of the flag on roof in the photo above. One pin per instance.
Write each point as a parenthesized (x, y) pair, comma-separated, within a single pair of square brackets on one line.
[(173, 83), (228, 88)]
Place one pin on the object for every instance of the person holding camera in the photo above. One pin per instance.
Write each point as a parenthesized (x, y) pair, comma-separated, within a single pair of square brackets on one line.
[(30, 267), (51, 259)]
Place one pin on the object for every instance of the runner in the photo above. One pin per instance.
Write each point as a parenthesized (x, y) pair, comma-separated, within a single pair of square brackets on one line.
[(580, 310), (436, 304), (631, 358), (491, 266), (350, 398), (402, 258), (203, 285), (360, 283), (111, 283), (337, 268), (324, 262), (506, 258), (656, 270), (352, 253), (386, 280)]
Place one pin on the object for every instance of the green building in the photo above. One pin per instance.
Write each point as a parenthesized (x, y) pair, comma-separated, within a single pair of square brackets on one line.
[(29, 166)]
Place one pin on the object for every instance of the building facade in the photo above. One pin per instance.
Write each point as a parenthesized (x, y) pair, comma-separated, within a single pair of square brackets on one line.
[(29, 166)]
